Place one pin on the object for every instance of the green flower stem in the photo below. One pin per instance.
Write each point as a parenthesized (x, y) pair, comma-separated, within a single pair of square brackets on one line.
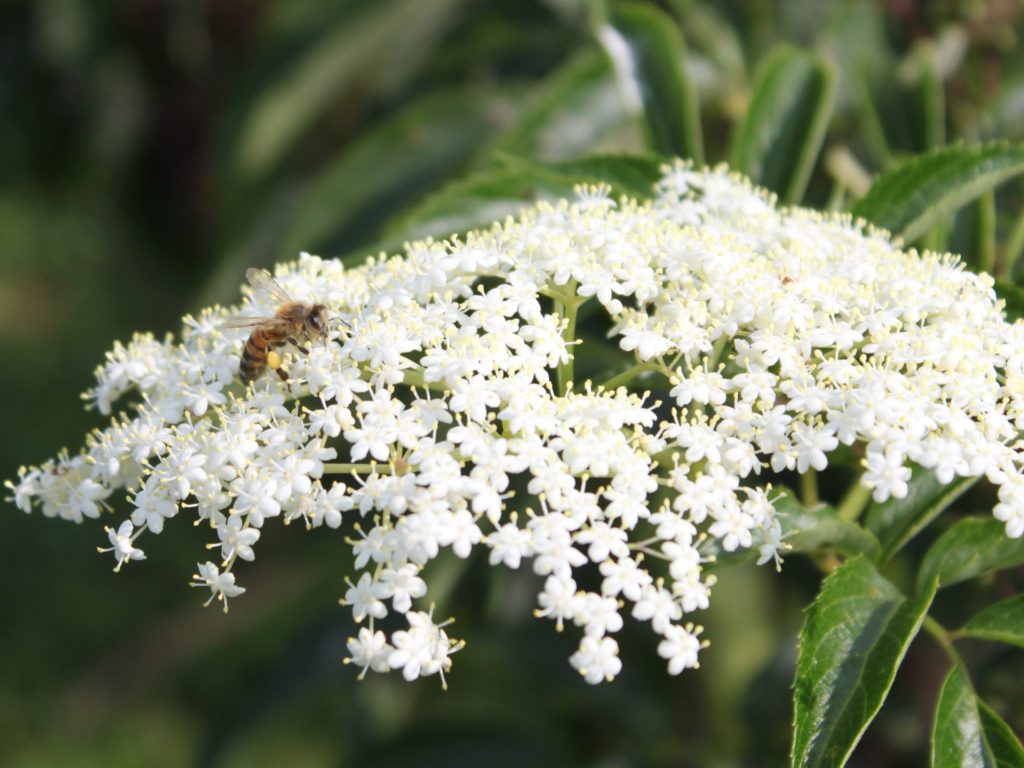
[(629, 374), (413, 377), (1014, 248), (854, 502), (985, 232), (944, 638), (567, 304), (871, 123), (836, 197), (352, 469), (809, 488), (716, 351)]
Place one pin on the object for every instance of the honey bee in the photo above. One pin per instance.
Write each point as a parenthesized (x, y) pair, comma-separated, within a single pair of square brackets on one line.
[(292, 323)]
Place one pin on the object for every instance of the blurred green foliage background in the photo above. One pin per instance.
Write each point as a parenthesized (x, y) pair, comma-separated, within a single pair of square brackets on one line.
[(152, 150)]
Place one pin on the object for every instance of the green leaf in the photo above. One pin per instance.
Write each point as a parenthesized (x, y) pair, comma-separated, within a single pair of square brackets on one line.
[(489, 196), (971, 547), (360, 54), (929, 188), (968, 733), (574, 112), (929, 95), (632, 175), (897, 521), (805, 530), (853, 641), (647, 51), (1013, 297), (478, 201), (778, 141), (391, 165), (1002, 622), (1005, 744)]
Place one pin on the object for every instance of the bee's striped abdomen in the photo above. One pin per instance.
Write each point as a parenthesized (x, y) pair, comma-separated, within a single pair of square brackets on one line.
[(254, 356)]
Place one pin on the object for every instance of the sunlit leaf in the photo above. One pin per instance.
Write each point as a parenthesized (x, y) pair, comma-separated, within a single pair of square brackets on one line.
[(390, 166), (805, 530), (971, 547), (1002, 622), (573, 112), (896, 521), (493, 194), (478, 201), (647, 51), (361, 53), (852, 643), (781, 134), (634, 175), (929, 188), (1004, 743), (1014, 299), (968, 733)]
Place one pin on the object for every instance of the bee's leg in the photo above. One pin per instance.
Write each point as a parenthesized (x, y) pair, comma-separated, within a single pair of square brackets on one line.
[(295, 343), (282, 373)]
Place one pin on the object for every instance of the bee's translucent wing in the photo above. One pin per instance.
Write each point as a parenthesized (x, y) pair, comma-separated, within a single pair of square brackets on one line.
[(247, 321), (265, 288)]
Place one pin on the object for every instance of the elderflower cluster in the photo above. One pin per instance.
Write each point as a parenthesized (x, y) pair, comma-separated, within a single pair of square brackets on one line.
[(442, 414)]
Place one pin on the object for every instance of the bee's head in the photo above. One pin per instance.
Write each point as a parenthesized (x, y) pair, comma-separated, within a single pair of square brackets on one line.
[(316, 320)]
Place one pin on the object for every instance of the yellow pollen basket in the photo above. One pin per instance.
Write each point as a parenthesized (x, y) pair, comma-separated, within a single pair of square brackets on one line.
[(274, 359)]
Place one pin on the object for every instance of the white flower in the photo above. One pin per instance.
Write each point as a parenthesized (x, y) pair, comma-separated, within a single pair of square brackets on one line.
[(509, 545), (597, 659), (598, 615), (434, 414), (153, 505), (624, 577), (557, 600), (657, 605), (401, 585), (221, 585), (886, 475), (680, 648), (370, 650), (422, 650), (122, 544), (648, 344), (1010, 508), (811, 445), (236, 539), (365, 599)]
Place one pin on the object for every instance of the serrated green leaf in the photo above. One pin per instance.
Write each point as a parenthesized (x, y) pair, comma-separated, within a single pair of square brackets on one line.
[(574, 112), (778, 141), (1005, 744), (921, 191), (897, 521), (851, 645), (361, 52), (805, 530), (647, 51), (392, 164), (633, 175), (1002, 622), (491, 195), (478, 201), (968, 733), (1013, 298), (714, 45), (971, 547)]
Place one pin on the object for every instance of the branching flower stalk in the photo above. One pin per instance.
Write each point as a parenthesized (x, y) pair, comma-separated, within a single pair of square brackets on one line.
[(445, 414)]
